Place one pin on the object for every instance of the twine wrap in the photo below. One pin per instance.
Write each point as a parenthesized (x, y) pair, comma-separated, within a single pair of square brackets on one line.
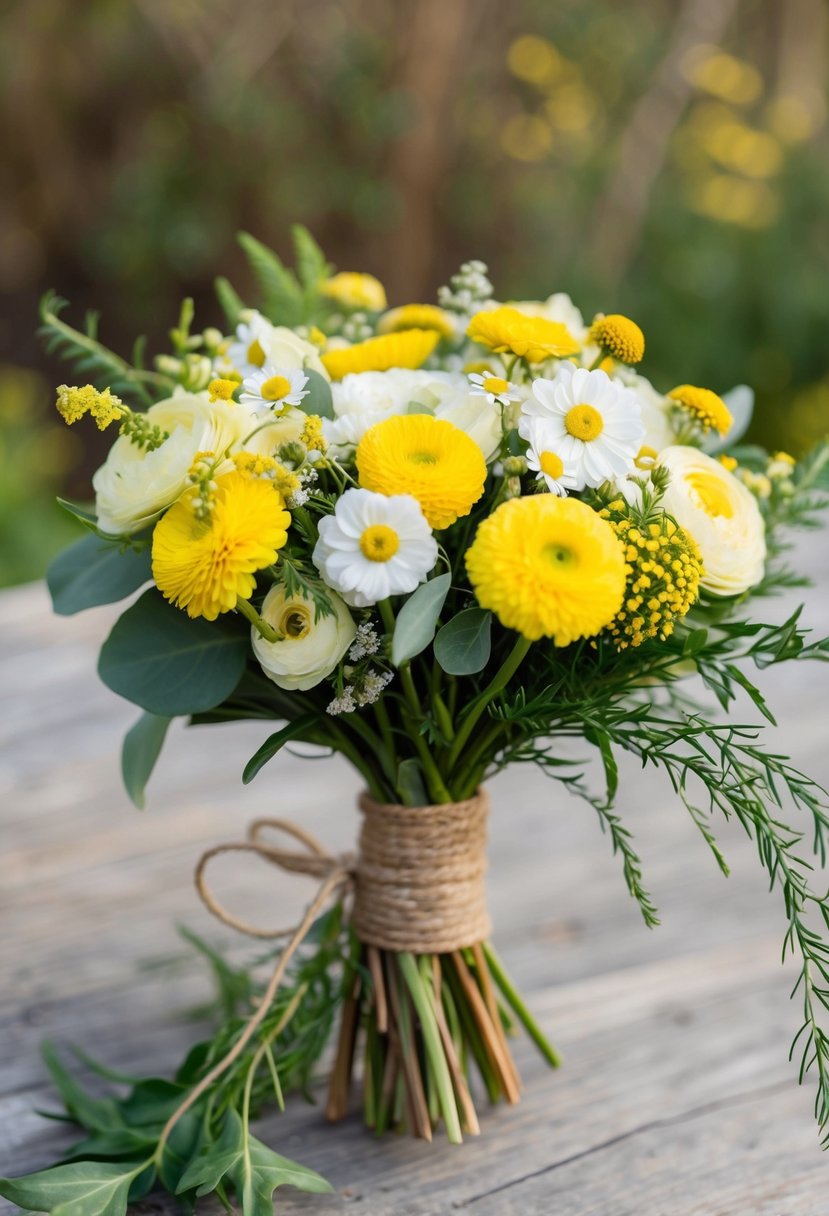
[(419, 876)]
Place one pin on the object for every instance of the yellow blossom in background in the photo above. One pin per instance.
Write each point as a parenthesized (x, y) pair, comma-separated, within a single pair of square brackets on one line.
[(429, 458), (222, 390), (729, 463), (706, 407), (417, 316), (73, 403), (548, 567), (205, 565), (505, 330), (354, 290), (618, 337), (408, 349)]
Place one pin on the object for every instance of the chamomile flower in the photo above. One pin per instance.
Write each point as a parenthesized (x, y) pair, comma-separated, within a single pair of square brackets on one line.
[(247, 353), (374, 546), (494, 388), (596, 426), (543, 457), (274, 388)]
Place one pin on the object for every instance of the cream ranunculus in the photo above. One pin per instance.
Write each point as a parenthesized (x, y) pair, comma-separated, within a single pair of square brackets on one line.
[(284, 348), (135, 484), (309, 649), (721, 515), (655, 408)]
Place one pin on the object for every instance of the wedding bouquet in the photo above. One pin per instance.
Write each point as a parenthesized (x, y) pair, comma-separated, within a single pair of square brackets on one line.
[(436, 539)]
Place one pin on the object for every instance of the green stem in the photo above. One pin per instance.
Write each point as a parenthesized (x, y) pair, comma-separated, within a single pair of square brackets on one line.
[(261, 626), (434, 781), (499, 681), (519, 1008), (469, 779), (439, 1069)]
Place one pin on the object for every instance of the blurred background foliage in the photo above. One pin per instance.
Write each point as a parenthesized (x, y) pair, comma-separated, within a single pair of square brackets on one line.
[(664, 158)]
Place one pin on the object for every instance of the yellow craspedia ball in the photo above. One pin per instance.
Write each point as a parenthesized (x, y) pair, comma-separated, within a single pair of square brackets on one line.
[(548, 567), (619, 337), (429, 458), (704, 406)]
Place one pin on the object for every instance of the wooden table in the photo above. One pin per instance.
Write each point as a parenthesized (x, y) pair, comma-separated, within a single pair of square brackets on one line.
[(676, 1098)]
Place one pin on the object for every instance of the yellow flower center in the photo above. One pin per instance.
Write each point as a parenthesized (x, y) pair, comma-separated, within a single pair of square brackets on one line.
[(256, 355), (584, 422), (712, 494), (646, 457), (379, 543), (559, 555), (551, 465), (276, 388), (496, 385), (295, 622)]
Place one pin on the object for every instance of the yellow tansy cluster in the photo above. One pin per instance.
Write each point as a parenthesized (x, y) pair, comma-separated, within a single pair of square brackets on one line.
[(252, 464), (312, 435), (505, 330), (73, 403), (204, 565), (417, 316), (618, 337), (409, 348), (429, 458), (663, 567), (548, 567), (705, 407)]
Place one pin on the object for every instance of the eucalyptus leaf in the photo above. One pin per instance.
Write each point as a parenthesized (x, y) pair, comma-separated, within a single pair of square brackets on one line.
[(141, 748), (95, 571), (417, 619), (464, 644), (318, 398), (170, 665), (85, 515), (78, 1188), (293, 730)]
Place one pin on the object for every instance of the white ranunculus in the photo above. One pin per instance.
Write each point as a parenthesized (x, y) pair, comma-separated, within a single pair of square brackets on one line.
[(134, 485), (257, 342), (721, 515), (655, 408), (309, 649)]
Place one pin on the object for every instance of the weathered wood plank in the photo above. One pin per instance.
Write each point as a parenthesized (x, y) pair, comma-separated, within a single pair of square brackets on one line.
[(676, 1095)]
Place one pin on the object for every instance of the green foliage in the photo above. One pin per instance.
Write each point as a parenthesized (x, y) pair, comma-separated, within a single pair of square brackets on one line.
[(95, 571), (80, 1188), (282, 300), (319, 400), (141, 749), (302, 727), (158, 658), (229, 301), (418, 618), (464, 644)]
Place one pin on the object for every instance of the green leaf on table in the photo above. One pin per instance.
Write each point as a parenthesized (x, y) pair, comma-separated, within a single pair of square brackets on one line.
[(318, 398), (95, 571), (418, 618), (170, 665), (250, 1167), (79, 1188), (141, 748), (464, 644), (96, 1114), (293, 730)]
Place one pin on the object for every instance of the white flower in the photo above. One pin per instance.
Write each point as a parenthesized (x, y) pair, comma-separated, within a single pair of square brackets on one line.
[(310, 648), (494, 388), (134, 484), (720, 514), (597, 425), (366, 642), (374, 546), (543, 456), (259, 342), (247, 352), (273, 388), (656, 409)]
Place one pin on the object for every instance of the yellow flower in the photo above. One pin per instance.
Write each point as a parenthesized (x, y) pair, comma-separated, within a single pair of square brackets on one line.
[(283, 479), (104, 406), (407, 349), (429, 458), (505, 330), (312, 435), (205, 565), (353, 290), (548, 567), (618, 336), (222, 390), (704, 406), (417, 316)]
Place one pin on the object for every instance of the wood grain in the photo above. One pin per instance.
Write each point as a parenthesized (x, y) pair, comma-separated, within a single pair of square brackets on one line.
[(676, 1097)]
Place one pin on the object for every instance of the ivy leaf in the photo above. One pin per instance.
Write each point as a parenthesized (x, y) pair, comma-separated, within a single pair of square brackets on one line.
[(418, 619), (464, 644), (170, 665), (318, 399), (97, 1114), (141, 748), (293, 730), (79, 1188), (95, 571)]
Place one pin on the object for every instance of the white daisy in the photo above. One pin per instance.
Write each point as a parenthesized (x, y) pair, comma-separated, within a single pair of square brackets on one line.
[(274, 388), (543, 455), (494, 388), (248, 352), (374, 546), (596, 426)]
